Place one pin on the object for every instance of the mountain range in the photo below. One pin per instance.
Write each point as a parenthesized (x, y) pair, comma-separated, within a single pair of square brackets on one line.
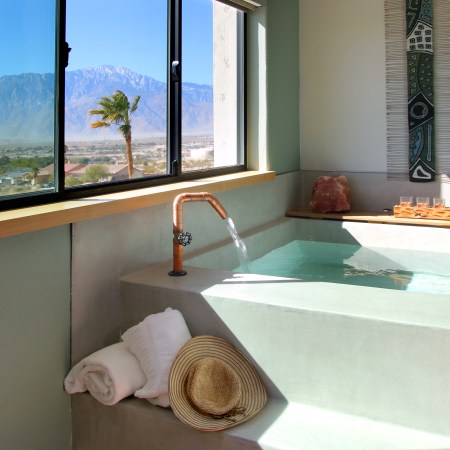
[(26, 104)]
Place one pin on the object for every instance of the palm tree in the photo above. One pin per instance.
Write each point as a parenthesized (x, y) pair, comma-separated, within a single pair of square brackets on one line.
[(32, 176), (116, 110)]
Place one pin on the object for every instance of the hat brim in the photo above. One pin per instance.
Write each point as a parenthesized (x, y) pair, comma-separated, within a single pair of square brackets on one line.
[(253, 395)]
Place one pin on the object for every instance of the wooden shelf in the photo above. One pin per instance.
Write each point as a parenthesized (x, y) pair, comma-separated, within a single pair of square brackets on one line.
[(367, 216), (25, 220)]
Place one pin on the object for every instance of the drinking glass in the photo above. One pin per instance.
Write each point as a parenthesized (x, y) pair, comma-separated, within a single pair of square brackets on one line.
[(423, 202), (406, 200)]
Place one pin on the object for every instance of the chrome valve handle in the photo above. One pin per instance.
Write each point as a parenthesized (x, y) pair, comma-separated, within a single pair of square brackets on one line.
[(184, 238)]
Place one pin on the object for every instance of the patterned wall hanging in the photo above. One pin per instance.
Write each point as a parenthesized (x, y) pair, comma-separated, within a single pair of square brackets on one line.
[(419, 44), (397, 89)]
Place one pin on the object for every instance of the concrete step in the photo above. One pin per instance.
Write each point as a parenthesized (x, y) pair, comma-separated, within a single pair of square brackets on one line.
[(138, 425), (365, 352)]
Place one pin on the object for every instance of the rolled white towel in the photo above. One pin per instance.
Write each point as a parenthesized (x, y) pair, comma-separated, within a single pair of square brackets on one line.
[(162, 400), (156, 341), (110, 374)]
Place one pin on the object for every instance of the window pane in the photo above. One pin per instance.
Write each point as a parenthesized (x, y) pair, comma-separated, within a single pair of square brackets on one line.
[(212, 106), (116, 90), (27, 93)]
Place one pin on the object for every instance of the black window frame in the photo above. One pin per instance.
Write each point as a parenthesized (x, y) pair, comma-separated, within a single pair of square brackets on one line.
[(174, 116)]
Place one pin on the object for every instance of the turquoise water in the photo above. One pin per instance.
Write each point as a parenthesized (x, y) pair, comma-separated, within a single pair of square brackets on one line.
[(352, 264)]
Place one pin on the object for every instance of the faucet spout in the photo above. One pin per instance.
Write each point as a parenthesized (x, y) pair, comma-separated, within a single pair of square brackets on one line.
[(179, 237)]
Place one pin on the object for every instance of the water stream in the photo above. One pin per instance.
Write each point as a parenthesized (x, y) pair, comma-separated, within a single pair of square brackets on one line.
[(241, 249)]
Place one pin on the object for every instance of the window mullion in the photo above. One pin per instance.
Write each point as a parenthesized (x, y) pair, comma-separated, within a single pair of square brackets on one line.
[(174, 88), (61, 60)]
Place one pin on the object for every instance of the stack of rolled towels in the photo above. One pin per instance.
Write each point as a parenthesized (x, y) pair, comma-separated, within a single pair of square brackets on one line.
[(139, 365)]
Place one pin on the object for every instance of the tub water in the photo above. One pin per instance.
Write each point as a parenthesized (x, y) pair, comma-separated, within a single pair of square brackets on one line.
[(401, 258), (387, 268)]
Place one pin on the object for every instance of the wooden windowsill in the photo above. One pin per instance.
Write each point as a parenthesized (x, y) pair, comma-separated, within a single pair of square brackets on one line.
[(367, 216), (35, 218)]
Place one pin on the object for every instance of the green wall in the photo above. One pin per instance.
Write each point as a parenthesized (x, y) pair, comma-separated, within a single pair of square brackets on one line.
[(35, 340), (283, 86)]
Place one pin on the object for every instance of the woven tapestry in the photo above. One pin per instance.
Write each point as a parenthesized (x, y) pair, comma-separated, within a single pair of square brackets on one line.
[(418, 89), (419, 44)]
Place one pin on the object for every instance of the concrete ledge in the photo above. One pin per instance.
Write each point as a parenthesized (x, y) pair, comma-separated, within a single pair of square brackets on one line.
[(136, 424)]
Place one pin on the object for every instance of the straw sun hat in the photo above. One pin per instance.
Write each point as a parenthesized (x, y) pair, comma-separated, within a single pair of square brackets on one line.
[(212, 386)]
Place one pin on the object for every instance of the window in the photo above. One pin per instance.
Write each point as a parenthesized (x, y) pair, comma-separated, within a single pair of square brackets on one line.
[(27, 97), (153, 93), (212, 85), (118, 59)]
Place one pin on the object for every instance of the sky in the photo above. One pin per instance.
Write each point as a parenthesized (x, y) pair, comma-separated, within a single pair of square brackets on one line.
[(130, 34), (26, 40)]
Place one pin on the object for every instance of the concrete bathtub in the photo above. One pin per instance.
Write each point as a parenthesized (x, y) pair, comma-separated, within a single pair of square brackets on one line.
[(345, 366)]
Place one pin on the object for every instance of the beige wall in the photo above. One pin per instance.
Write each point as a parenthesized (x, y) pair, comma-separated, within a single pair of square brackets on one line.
[(342, 85), (343, 103)]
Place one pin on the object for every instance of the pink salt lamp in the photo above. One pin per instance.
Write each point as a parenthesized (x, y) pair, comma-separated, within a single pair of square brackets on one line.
[(330, 194)]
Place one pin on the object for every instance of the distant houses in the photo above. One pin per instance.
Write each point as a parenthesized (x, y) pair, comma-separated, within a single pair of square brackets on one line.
[(46, 174), (116, 172), (16, 177), (24, 175)]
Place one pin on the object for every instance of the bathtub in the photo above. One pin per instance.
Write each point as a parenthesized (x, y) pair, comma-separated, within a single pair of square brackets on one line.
[(358, 351)]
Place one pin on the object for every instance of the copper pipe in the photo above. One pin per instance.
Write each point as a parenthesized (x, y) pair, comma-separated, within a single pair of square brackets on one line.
[(178, 223)]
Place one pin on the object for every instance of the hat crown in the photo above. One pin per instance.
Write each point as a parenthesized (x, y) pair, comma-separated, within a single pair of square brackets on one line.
[(213, 386)]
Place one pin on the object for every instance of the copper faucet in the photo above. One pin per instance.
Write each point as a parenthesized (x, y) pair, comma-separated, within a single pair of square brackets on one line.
[(182, 238)]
